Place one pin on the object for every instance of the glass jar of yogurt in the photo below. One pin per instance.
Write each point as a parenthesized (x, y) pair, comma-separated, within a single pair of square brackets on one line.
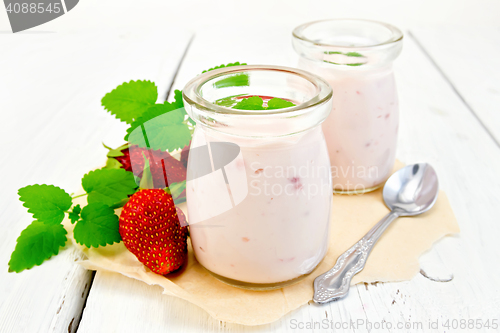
[(259, 183), (355, 57)]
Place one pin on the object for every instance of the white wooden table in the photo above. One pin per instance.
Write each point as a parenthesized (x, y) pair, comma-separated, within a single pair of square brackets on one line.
[(53, 126)]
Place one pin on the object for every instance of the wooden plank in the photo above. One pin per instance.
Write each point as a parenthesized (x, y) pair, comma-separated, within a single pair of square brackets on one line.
[(469, 60), (53, 129), (436, 127)]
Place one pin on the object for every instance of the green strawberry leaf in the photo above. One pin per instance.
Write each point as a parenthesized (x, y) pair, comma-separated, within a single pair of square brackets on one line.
[(108, 186), (251, 103), (99, 226), (47, 203), (178, 102), (75, 214), (37, 243), (162, 127), (278, 103), (130, 100)]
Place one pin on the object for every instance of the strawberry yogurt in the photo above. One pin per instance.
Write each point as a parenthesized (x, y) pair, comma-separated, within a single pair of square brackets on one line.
[(355, 58), (260, 220), (361, 131)]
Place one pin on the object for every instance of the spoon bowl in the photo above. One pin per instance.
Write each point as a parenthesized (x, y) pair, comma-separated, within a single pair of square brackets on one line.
[(412, 190)]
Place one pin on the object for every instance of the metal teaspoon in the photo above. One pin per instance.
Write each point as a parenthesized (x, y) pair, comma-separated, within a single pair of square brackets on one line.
[(410, 191)]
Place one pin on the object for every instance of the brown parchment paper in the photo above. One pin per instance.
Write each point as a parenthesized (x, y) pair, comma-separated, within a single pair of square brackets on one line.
[(394, 258)]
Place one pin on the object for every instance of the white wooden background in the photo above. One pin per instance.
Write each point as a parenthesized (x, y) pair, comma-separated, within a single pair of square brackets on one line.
[(51, 82)]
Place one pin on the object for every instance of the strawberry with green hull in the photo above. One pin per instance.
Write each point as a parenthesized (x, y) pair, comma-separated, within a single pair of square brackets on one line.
[(165, 169), (150, 227), (175, 171)]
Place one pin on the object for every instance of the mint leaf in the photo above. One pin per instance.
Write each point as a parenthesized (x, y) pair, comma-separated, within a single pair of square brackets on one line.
[(222, 66), (353, 54), (178, 102), (152, 112), (37, 243), (130, 100), (108, 186), (47, 203), (278, 103), (256, 103), (235, 80), (75, 214), (251, 103), (99, 226), (162, 127)]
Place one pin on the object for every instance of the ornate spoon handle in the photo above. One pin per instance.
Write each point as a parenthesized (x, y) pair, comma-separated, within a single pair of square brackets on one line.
[(335, 283)]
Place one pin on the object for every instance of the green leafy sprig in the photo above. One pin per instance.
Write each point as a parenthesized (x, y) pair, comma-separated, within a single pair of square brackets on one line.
[(96, 223)]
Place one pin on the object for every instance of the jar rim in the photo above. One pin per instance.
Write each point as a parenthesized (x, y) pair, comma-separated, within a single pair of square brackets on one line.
[(396, 33), (191, 92)]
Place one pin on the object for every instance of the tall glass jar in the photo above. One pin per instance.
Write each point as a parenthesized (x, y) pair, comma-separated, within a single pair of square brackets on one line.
[(355, 57), (259, 211)]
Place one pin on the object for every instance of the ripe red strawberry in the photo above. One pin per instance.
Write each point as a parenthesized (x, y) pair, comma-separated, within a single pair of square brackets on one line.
[(174, 172), (151, 229)]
